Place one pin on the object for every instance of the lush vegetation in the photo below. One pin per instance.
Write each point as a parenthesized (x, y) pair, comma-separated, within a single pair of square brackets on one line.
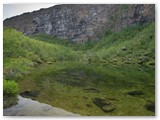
[(22, 53), (133, 45), (68, 43), (10, 87)]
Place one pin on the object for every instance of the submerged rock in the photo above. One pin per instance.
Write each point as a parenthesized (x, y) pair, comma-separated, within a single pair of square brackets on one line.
[(85, 97), (93, 90), (49, 62), (143, 60), (29, 93), (106, 106), (124, 48), (152, 63), (133, 93), (89, 105), (150, 106)]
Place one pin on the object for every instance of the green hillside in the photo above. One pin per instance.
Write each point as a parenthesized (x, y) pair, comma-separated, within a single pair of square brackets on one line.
[(22, 53), (133, 45)]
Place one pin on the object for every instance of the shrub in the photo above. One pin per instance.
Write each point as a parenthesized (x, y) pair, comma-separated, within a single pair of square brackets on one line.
[(10, 87)]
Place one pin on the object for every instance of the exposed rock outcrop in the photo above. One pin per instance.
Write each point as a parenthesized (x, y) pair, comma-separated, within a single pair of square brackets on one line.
[(81, 22)]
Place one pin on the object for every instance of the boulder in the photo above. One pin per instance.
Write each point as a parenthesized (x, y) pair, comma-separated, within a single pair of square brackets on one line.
[(92, 90), (106, 106), (124, 48), (89, 105), (150, 106), (49, 62), (29, 93), (134, 93)]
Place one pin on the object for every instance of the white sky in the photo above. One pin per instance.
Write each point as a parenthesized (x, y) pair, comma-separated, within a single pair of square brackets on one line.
[(10, 10)]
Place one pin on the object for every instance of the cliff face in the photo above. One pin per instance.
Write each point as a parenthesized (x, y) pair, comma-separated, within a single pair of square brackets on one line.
[(81, 22)]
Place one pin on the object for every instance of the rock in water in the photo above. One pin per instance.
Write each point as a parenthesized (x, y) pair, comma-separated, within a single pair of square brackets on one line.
[(150, 106), (29, 93), (104, 105), (92, 90), (134, 93), (89, 105), (49, 62)]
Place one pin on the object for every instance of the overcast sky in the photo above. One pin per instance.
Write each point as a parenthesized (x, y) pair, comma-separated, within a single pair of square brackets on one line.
[(10, 10)]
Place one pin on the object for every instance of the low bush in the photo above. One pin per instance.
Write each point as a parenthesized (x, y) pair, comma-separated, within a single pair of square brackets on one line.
[(10, 87)]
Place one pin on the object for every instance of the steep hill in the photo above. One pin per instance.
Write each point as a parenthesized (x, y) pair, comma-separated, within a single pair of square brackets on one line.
[(81, 22)]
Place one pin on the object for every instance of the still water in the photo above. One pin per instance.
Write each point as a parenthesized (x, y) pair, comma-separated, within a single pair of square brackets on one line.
[(28, 107), (92, 89)]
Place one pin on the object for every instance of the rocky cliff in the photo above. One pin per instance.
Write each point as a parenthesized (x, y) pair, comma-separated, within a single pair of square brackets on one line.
[(81, 22)]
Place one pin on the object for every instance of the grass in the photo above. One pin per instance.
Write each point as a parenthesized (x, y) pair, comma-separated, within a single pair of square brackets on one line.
[(22, 53), (52, 39), (133, 45), (67, 43)]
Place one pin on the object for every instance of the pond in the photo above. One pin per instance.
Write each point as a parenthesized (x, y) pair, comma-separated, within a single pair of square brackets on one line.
[(93, 89), (28, 107)]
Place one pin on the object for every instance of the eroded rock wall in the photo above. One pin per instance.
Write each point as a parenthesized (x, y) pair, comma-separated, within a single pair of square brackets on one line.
[(81, 22)]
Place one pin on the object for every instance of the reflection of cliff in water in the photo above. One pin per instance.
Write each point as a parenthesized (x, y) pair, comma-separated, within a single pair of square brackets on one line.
[(92, 89)]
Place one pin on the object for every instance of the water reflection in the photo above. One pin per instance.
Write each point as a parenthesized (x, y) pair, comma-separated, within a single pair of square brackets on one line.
[(28, 107), (73, 86)]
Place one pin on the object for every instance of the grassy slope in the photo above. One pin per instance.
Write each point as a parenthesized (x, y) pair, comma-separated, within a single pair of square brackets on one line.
[(22, 53), (133, 45), (67, 43)]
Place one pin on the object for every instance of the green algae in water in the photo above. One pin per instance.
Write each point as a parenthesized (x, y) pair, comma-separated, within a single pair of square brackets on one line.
[(72, 86)]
